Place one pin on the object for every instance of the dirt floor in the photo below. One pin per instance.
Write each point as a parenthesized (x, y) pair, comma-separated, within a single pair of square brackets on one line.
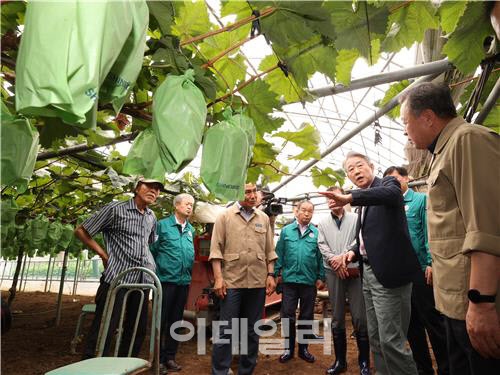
[(34, 345)]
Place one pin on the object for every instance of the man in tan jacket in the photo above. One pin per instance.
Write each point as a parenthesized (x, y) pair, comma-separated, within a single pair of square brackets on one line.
[(464, 227), (242, 256)]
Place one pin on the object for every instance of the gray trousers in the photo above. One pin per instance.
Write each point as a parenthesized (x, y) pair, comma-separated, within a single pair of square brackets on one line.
[(338, 289), (388, 314)]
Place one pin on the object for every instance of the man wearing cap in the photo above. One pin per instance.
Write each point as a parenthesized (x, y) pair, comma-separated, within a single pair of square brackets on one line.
[(242, 238), (174, 256), (128, 227)]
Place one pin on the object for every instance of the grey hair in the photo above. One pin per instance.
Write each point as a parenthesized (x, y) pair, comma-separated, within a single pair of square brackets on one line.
[(180, 197), (303, 202), (355, 154)]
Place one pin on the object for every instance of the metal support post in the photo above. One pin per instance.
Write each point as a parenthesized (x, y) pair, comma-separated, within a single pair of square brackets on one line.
[(48, 273), (77, 275), (61, 287), (52, 272), (3, 271), (27, 273), (22, 273), (381, 78)]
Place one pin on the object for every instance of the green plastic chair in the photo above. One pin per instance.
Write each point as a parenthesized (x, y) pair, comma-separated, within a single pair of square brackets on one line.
[(87, 309), (123, 365)]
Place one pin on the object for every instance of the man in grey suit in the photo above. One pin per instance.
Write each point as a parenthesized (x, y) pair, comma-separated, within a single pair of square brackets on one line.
[(337, 235)]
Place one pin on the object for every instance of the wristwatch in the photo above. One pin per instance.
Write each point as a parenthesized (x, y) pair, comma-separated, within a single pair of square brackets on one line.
[(476, 297), (270, 274)]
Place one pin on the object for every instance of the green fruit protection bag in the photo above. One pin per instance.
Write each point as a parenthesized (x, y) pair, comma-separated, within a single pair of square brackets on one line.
[(227, 150), (53, 237), (19, 150), (179, 115), (144, 157), (9, 234), (66, 236), (38, 228), (8, 212), (74, 52)]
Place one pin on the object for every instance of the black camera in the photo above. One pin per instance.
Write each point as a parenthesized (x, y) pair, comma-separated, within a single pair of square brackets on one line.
[(273, 209), (273, 206)]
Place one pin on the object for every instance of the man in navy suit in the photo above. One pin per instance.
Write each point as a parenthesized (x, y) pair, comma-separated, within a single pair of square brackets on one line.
[(388, 262)]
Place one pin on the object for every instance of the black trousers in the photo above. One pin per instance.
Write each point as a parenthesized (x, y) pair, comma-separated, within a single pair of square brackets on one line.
[(292, 293), (131, 311), (172, 308), (424, 316), (464, 360), (245, 304)]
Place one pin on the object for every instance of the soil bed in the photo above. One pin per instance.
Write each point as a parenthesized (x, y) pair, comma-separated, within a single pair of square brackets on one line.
[(34, 345)]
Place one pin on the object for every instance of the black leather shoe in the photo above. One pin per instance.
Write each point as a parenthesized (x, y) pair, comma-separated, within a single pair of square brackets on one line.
[(364, 368), (172, 366), (286, 356), (305, 355), (337, 367)]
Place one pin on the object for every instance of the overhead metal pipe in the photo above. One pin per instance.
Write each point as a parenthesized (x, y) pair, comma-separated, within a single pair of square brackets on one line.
[(379, 113), (381, 78), (489, 103)]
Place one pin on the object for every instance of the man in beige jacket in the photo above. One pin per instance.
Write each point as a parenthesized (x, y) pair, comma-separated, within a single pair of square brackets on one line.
[(464, 226), (242, 256)]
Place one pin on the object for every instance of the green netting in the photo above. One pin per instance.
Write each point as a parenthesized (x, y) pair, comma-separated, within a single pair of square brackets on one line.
[(227, 150), (179, 114), (84, 50), (144, 157), (19, 150)]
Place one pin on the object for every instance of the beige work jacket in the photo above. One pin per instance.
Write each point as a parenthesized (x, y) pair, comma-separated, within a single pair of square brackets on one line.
[(463, 209), (245, 247)]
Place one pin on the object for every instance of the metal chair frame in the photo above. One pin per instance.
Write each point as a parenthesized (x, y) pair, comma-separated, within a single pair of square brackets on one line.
[(154, 344)]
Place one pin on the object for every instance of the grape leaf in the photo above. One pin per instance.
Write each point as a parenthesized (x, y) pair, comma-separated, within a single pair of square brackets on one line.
[(307, 138), (358, 28), (344, 63), (450, 13), (464, 47), (261, 102), (408, 24)]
